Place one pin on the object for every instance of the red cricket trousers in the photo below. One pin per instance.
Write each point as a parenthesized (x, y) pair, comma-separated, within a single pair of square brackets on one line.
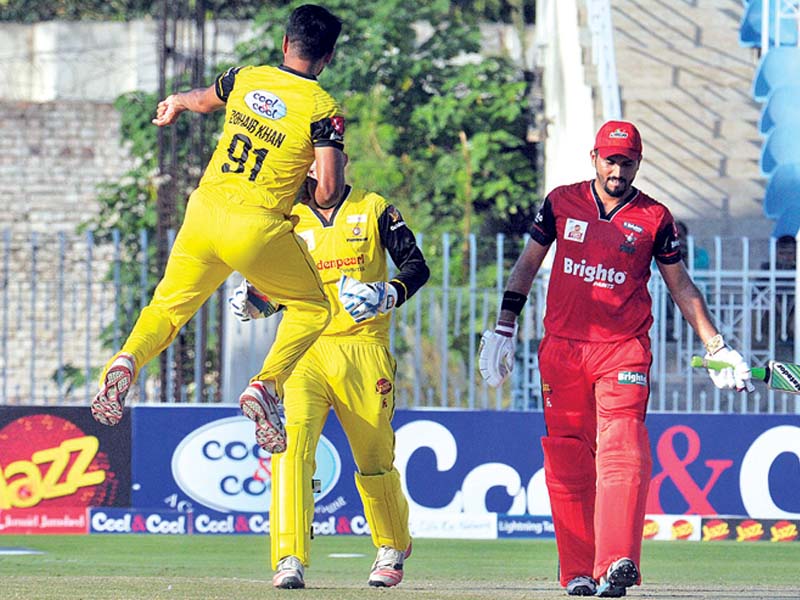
[(596, 453)]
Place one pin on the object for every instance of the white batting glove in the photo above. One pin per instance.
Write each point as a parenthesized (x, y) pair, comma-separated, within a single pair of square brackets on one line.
[(496, 354), (737, 377), (248, 303), (366, 300)]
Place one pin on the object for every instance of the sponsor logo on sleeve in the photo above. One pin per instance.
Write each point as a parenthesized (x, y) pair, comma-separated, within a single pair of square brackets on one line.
[(265, 104)]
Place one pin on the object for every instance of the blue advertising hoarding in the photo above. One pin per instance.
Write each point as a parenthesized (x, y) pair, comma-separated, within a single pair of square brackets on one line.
[(471, 462)]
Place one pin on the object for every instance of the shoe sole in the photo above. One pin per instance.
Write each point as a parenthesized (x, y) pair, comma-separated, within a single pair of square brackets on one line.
[(109, 403), (269, 437), (624, 576)]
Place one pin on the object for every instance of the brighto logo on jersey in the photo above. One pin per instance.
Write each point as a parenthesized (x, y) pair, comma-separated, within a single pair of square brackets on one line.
[(596, 274), (265, 104)]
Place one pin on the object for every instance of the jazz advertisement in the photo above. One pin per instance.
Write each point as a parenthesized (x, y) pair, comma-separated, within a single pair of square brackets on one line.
[(55, 462), (466, 473)]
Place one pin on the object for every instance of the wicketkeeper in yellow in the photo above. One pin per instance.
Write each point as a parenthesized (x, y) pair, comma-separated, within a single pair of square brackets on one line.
[(278, 120), (348, 368)]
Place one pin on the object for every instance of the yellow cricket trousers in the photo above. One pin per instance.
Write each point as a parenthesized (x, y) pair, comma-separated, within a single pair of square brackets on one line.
[(217, 237), (356, 378)]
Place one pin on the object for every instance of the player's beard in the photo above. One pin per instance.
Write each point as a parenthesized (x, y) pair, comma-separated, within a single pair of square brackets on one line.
[(619, 190)]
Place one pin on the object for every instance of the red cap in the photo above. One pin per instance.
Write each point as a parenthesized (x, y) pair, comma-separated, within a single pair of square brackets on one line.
[(619, 137)]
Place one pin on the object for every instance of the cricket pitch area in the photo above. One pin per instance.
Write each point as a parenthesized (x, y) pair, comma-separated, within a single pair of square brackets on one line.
[(122, 567)]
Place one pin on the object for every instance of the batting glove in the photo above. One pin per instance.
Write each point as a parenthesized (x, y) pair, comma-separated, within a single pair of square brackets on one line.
[(496, 358), (248, 303), (737, 376), (366, 300)]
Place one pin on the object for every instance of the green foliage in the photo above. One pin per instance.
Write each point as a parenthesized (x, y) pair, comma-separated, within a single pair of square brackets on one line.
[(28, 11), (419, 103)]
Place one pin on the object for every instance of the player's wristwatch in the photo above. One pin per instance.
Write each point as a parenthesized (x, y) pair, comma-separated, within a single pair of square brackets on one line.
[(715, 344)]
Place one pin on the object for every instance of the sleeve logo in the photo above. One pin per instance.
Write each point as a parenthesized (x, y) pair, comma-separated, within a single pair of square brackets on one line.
[(265, 104)]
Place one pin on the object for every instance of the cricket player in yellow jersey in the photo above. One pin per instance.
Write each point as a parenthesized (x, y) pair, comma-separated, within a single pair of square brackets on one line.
[(278, 120), (348, 368)]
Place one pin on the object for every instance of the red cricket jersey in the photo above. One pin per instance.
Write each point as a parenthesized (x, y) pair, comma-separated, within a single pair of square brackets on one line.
[(598, 286)]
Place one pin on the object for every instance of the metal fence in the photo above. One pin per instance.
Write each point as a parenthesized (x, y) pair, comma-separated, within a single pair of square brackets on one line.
[(62, 297)]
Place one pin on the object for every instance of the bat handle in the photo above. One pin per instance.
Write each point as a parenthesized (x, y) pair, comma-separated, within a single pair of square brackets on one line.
[(716, 365), (760, 373)]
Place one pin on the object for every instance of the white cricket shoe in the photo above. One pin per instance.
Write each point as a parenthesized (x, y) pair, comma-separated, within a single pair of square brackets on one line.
[(621, 575), (582, 585), (109, 402), (387, 570), (289, 574), (260, 406)]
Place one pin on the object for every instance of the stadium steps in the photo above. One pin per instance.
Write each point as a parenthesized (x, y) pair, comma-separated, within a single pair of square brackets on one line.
[(687, 83)]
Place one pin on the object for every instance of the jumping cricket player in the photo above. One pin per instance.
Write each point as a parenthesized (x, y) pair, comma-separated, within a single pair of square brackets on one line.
[(278, 120)]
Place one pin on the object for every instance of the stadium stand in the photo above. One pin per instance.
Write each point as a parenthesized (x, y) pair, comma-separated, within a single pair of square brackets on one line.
[(751, 28), (788, 223), (783, 190), (777, 67), (781, 108), (781, 147)]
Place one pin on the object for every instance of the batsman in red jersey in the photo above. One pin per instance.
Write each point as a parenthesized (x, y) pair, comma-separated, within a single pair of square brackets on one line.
[(595, 357)]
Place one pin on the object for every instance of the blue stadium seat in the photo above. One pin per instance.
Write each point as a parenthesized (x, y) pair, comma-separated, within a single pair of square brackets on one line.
[(788, 223), (783, 190), (750, 26), (782, 108), (777, 67), (781, 147)]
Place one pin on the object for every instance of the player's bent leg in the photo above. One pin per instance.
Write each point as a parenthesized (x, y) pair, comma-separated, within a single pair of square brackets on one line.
[(290, 574), (570, 474), (386, 509), (260, 405), (292, 508), (623, 477), (108, 404)]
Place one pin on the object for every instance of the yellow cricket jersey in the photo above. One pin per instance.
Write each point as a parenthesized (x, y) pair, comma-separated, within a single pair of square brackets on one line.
[(274, 118), (350, 244)]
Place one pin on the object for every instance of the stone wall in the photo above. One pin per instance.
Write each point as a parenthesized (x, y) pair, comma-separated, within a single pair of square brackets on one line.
[(53, 300)]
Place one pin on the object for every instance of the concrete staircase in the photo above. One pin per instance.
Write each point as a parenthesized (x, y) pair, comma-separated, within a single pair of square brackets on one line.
[(686, 82)]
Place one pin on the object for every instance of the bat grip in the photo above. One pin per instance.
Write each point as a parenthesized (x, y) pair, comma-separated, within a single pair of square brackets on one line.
[(716, 365)]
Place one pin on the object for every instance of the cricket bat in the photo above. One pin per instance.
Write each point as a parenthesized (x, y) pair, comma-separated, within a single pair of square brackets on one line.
[(781, 376)]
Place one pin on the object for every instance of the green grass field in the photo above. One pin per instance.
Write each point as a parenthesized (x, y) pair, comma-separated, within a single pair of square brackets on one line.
[(227, 567)]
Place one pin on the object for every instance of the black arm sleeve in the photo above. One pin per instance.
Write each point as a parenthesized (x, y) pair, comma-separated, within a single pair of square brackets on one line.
[(666, 246), (328, 132), (543, 229), (224, 83), (399, 240)]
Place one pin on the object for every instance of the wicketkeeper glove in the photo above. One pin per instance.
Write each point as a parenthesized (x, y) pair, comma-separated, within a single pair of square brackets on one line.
[(366, 300), (248, 303), (738, 376), (496, 355)]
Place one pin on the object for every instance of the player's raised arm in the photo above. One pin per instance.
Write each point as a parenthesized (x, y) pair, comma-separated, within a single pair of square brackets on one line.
[(199, 100)]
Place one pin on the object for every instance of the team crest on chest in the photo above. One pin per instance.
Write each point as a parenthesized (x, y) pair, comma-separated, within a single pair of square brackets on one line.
[(575, 230), (629, 245)]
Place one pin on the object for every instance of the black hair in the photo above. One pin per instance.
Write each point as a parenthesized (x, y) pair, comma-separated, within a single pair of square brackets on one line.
[(312, 31), (785, 239)]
